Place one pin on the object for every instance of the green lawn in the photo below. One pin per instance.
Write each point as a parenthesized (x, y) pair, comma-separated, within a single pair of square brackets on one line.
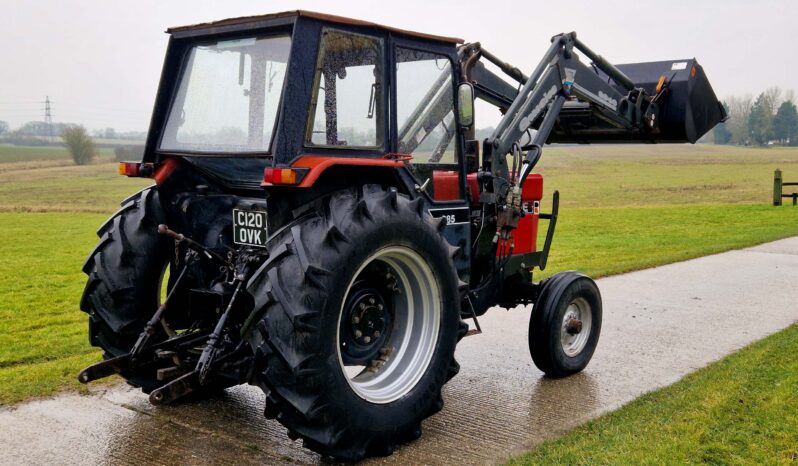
[(623, 208), (614, 240), (740, 410), (43, 341)]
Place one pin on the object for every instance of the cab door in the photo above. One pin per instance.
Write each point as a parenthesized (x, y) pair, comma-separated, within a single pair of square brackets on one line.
[(425, 127)]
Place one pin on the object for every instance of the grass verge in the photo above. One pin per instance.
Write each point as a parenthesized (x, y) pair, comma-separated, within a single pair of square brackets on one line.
[(742, 409)]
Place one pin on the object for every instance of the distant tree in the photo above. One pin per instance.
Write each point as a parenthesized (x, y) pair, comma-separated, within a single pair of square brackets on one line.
[(109, 133), (81, 146), (739, 111), (760, 121), (721, 134), (789, 94), (34, 128), (772, 99), (3, 127), (785, 124)]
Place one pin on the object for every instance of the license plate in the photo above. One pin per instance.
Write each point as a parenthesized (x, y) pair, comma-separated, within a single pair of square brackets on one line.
[(249, 227)]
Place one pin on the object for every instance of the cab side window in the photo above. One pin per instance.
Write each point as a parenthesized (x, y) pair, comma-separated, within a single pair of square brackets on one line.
[(425, 118), (346, 109)]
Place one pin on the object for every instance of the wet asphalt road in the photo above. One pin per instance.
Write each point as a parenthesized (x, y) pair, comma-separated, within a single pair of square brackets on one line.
[(659, 324)]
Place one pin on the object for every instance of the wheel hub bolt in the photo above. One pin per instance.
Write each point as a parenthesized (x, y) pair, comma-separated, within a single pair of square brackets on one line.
[(367, 340), (358, 334), (379, 307), (371, 301), (362, 306), (573, 326), (355, 320), (377, 334)]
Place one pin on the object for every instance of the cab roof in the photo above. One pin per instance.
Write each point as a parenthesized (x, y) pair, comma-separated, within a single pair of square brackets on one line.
[(244, 20)]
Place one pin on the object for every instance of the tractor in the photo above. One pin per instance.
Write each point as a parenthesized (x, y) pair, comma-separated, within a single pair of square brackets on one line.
[(323, 221)]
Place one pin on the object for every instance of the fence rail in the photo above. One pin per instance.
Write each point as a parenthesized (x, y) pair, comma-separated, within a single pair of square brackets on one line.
[(778, 189)]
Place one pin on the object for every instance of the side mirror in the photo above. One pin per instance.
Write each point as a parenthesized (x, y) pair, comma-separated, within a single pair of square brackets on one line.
[(465, 104)]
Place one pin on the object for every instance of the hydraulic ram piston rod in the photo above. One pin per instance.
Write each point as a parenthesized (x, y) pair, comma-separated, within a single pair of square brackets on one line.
[(603, 64)]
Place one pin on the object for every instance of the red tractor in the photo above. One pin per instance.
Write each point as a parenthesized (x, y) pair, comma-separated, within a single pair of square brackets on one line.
[(322, 220)]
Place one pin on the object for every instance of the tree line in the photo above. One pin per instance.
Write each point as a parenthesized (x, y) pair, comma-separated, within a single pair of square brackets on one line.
[(37, 132), (771, 118)]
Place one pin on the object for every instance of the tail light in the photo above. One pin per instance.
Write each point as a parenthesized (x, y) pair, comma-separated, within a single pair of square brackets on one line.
[(283, 176), (132, 169), (138, 169)]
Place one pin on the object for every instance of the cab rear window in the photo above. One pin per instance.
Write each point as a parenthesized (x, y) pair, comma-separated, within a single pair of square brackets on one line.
[(229, 96)]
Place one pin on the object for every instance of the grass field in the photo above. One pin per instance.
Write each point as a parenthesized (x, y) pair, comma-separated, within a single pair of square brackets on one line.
[(623, 208), (740, 410), (631, 176), (64, 188), (11, 153)]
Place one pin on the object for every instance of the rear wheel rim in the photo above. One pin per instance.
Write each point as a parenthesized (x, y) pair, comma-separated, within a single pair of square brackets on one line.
[(414, 320), (574, 343)]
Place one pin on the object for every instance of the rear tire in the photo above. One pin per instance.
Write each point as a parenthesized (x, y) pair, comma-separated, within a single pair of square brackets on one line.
[(565, 324), (125, 270), (318, 297)]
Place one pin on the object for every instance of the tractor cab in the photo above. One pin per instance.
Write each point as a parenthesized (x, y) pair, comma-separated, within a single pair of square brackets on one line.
[(292, 91)]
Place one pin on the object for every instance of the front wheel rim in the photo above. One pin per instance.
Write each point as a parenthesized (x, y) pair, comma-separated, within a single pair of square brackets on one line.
[(415, 307), (576, 326)]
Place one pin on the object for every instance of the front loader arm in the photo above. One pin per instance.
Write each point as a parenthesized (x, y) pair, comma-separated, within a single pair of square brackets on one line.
[(566, 100), (559, 80)]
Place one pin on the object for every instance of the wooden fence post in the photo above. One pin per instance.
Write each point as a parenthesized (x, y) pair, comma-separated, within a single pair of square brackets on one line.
[(777, 187)]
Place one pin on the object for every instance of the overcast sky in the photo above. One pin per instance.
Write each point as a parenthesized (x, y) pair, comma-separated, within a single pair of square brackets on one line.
[(99, 60)]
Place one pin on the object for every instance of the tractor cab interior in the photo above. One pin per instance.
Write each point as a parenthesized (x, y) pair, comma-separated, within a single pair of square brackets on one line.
[(347, 107)]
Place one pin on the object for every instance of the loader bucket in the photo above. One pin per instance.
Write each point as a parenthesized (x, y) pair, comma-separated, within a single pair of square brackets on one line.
[(689, 109)]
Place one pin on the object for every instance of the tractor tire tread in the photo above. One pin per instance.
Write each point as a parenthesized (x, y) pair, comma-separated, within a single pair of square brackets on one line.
[(285, 328)]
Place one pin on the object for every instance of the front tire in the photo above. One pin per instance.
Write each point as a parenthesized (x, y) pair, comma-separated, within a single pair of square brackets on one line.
[(565, 324), (355, 324)]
